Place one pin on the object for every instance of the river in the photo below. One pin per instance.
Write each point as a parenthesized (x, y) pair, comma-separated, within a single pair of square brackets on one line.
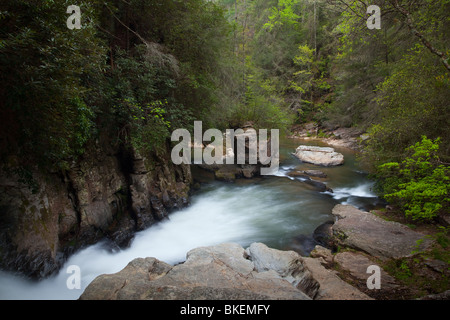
[(280, 211)]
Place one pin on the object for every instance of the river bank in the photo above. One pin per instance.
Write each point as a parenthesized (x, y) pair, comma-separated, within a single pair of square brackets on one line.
[(418, 273), (360, 243), (338, 137)]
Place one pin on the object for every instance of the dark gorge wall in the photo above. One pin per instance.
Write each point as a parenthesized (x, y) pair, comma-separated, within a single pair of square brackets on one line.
[(107, 193)]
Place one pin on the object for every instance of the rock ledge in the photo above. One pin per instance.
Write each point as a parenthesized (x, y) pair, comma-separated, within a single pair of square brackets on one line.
[(221, 272)]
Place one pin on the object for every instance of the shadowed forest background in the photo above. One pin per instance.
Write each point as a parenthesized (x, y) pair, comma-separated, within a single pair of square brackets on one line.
[(137, 70)]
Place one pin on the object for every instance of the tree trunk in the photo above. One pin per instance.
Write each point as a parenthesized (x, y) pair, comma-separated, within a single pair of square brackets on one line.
[(315, 29)]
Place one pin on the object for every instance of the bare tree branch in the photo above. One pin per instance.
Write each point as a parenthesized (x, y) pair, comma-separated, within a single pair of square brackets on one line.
[(348, 7), (123, 24)]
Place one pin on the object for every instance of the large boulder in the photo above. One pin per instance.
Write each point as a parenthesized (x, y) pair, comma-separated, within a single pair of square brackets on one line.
[(287, 264), (322, 156), (231, 167), (366, 232), (223, 272)]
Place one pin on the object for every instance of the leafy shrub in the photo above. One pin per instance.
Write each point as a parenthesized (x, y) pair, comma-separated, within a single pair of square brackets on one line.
[(420, 183), (148, 128)]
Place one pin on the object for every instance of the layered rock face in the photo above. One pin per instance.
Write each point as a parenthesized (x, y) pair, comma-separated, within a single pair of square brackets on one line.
[(108, 193)]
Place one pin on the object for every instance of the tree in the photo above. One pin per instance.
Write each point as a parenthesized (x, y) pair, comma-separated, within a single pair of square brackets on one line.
[(46, 72), (303, 78), (134, 70)]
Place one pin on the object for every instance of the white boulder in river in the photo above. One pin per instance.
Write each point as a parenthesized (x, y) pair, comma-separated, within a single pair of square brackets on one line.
[(322, 156)]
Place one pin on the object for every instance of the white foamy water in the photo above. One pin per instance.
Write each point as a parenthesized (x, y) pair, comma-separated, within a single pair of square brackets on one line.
[(242, 214), (363, 191), (284, 170)]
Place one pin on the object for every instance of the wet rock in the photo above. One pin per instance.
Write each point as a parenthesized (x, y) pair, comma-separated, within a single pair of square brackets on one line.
[(298, 174), (233, 168), (437, 265), (438, 296), (303, 244), (323, 234), (303, 177), (225, 272), (227, 173), (322, 156), (315, 173), (288, 264), (444, 218), (107, 193), (320, 186)]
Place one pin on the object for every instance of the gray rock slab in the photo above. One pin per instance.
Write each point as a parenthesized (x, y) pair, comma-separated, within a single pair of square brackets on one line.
[(380, 238), (287, 264), (221, 272)]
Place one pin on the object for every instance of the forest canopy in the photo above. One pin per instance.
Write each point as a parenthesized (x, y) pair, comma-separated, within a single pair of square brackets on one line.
[(138, 69)]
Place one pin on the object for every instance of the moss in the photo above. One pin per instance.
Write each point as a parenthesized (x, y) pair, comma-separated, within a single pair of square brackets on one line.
[(339, 235)]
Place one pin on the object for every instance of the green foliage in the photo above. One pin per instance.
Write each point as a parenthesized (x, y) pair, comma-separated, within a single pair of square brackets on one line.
[(303, 78), (401, 269), (134, 71), (414, 101), (282, 49), (420, 184), (45, 70), (282, 14), (367, 58), (391, 84), (149, 129)]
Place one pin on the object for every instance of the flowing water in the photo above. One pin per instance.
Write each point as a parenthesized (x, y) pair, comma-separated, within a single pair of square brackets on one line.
[(277, 210)]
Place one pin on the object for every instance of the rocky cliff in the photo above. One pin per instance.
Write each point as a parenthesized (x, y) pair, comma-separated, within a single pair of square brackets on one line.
[(107, 193)]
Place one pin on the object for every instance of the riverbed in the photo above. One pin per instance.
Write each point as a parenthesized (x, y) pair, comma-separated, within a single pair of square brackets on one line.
[(280, 211)]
